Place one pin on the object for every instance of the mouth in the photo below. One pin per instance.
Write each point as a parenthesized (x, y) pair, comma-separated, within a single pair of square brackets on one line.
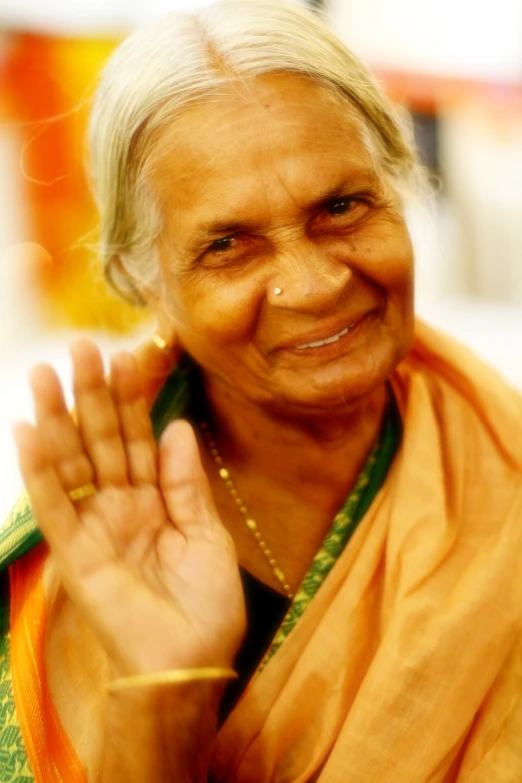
[(327, 340), (333, 344)]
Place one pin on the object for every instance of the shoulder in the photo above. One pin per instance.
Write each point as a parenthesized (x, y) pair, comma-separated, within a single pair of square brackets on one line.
[(468, 401)]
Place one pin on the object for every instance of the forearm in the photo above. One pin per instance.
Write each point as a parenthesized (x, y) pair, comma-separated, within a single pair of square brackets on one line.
[(164, 734)]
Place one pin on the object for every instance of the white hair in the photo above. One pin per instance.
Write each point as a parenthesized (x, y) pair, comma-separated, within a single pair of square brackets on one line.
[(187, 58)]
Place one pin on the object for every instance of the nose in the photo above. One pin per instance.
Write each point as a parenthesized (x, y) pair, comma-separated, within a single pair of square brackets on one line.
[(307, 279)]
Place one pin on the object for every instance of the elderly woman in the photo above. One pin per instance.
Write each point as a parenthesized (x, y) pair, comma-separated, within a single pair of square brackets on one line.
[(305, 565)]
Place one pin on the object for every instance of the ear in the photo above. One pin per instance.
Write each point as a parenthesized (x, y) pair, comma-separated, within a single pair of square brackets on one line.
[(155, 363), (159, 355), (166, 320)]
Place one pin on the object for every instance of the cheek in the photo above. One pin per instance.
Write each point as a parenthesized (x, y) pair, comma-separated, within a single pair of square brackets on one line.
[(218, 311), (387, 260)]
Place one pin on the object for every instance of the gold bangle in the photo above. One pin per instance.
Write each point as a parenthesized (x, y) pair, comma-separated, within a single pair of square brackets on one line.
[(169, 677)]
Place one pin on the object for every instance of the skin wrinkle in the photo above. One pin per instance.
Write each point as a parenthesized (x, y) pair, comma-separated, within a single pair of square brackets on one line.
[(213, 70), (210, 181), (244, 91), (271, 205), (154, 165)]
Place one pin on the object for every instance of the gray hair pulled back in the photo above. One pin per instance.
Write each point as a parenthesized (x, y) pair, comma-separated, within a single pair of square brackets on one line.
[(189, 57)]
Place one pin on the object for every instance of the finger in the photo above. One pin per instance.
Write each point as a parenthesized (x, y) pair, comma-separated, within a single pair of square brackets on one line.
[(59, 432), (97, 416), (155, 365), (53, 511), (135, 425), (184, 483)]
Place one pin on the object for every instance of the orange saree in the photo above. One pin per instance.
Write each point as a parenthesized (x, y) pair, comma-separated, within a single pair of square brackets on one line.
[(407, 664)]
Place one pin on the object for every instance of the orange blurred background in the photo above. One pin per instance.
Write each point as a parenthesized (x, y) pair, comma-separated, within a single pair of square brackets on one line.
[(46, 83)]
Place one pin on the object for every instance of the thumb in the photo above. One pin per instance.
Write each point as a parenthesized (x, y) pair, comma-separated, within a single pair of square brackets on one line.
[(184, 484)]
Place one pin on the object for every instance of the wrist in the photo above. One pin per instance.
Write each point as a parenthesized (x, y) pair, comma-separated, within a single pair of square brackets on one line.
[(170, 728)]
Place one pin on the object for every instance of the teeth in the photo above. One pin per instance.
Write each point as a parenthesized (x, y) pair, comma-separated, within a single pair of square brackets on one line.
[(328, 340)]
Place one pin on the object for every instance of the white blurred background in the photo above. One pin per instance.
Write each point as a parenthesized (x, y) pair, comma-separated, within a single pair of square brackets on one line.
[(455, 64)]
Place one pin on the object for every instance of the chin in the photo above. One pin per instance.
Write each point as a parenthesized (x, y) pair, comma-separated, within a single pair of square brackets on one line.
[(343, 385), (331, 399)]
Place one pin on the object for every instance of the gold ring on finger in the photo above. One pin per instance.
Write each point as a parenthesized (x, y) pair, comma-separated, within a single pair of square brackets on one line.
[(79, 493)]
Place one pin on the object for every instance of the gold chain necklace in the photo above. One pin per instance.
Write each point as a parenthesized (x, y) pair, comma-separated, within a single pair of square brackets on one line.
[(250, 522)]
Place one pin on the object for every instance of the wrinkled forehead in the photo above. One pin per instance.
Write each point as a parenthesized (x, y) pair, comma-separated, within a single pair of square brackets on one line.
[(262, 110)]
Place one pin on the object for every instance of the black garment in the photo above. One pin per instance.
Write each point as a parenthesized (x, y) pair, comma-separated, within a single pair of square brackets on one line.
[(266, 609)]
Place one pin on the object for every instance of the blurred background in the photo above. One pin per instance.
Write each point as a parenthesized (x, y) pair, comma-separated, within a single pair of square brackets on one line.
[(454, 65)]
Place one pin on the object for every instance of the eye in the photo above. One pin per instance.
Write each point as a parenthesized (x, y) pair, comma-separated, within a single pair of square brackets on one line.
[(342, 213), (222, 244), (340, 206), (236, 248)]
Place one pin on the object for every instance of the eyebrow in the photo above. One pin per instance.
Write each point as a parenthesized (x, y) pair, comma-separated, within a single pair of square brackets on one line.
[(218, 228)]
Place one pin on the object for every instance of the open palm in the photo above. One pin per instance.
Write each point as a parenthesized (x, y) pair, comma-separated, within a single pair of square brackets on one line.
[(146, 558)]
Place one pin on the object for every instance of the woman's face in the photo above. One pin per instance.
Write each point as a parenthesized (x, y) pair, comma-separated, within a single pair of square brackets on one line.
[(274, 190)]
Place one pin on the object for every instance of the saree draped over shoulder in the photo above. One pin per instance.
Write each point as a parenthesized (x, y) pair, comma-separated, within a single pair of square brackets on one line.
[(404, 667)]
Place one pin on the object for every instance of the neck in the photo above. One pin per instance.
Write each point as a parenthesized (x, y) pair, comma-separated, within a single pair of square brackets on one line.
[(328, 451), (292, 474)]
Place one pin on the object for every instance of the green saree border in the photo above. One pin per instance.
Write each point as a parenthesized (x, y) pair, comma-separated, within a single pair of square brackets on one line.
[(19, 534), (14, 764), (345, 522)]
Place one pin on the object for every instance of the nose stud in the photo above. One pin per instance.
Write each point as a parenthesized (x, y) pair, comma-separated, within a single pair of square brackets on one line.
[(278, 291)]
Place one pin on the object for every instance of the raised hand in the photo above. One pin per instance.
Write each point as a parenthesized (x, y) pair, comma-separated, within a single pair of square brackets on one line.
[(145, 558)]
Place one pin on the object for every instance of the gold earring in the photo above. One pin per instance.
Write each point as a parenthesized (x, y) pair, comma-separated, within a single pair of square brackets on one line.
[(160, 343)]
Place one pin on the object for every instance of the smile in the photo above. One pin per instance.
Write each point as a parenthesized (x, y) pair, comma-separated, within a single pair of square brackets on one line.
[(327, 340)]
